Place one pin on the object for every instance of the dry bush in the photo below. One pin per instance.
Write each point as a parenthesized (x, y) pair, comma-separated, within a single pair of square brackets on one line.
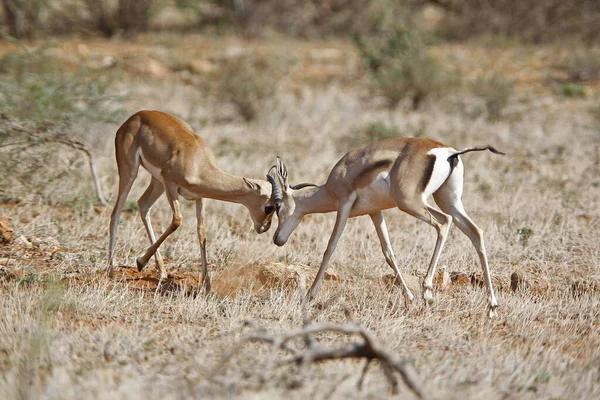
[(22, 16), (246, 83), (495, 91), (538, 21), (41, 105), (110, 17), (313, 18), (581, 66), (396, 54)]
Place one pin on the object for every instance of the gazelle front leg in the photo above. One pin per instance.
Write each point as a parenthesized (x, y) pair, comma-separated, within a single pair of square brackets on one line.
[(175, 223), (388, 253), (340, 223), (145, 202), (201, 229)]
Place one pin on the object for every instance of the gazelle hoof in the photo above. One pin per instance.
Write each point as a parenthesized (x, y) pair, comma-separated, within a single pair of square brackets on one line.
[(206, 284), (140, 264), (492, 312), (428, 296)]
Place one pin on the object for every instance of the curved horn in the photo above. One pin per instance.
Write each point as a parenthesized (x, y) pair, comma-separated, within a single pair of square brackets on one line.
[(276, 194)]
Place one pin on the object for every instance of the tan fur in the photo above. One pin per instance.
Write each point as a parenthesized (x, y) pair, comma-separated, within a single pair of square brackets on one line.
[(407, 160), (181, 164), (392, 173)]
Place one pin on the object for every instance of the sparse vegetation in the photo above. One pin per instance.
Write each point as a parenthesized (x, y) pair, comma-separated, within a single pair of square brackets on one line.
[(66, 329), (571, 90), (495, 91), (397, 56), (41, 104), (246, 83), (581, 66)]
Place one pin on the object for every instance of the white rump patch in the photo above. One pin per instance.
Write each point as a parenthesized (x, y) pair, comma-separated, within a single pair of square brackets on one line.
[(441, 170)]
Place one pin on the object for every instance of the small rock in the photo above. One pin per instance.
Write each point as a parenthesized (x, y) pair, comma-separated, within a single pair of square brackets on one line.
[(499, 283), (23, 241), (7, 275), (413, 282), (537, 285), (149, 66), (442, 280), (459, 279), (517, 281), (201, 67), (47, 244), (58, 256), (6, 262), (6, 230), (326, 55), (331, 276), (234, 52), (99, 209)]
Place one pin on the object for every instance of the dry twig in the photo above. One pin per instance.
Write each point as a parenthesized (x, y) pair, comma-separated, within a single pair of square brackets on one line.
[(74, 144), (369, 350)]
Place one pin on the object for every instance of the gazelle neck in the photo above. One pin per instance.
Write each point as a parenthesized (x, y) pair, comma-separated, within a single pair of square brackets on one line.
[(223, 186), (314, 200)]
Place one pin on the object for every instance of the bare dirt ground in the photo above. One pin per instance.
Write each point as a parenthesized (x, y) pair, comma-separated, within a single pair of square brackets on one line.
[(67, 331)]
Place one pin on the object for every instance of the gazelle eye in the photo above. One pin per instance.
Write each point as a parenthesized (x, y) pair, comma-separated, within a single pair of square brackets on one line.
[(269, 209)]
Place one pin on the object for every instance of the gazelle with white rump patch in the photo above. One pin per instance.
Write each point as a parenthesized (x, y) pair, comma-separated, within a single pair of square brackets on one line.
[(400, 172), (180, 163)]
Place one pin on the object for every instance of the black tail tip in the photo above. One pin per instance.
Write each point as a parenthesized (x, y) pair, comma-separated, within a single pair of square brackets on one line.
[(495, 151)]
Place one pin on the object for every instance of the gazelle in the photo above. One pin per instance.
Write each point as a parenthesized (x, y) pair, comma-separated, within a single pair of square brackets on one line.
[(180, 163), (400, 172)]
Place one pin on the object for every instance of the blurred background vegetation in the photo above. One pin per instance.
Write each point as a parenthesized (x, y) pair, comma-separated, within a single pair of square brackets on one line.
[(535, 21), (401, 57)]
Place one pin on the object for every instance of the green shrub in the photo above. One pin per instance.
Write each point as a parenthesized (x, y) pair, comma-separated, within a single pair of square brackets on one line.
[(496, 92), (571, 90), (246, 83), (525, 234), (396, 54)]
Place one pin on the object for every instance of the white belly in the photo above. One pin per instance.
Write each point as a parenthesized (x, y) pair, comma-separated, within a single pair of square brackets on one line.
[(374, 197), (154, 171)]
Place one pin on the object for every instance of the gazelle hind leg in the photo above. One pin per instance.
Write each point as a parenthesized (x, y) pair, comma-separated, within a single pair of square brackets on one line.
[(173, 198), (388, 253), (145, 202), (126, 178), (448, 199), (201, 229), (442, 226), (441, 222)]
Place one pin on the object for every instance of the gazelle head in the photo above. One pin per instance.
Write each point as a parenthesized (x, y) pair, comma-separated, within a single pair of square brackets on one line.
[(261, 206), (284, 202)]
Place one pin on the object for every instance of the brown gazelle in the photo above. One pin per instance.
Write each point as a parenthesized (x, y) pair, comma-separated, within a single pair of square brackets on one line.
[(400, 172), (180, 163)]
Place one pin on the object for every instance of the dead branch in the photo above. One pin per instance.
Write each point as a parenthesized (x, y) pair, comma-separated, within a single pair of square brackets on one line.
[(369, 350), (74, 144)]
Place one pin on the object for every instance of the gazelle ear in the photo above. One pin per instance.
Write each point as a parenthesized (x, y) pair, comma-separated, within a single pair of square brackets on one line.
[(251, 184), (282, 173)]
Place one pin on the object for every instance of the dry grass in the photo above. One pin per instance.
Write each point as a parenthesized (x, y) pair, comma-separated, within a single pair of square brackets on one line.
[(66, 330)]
